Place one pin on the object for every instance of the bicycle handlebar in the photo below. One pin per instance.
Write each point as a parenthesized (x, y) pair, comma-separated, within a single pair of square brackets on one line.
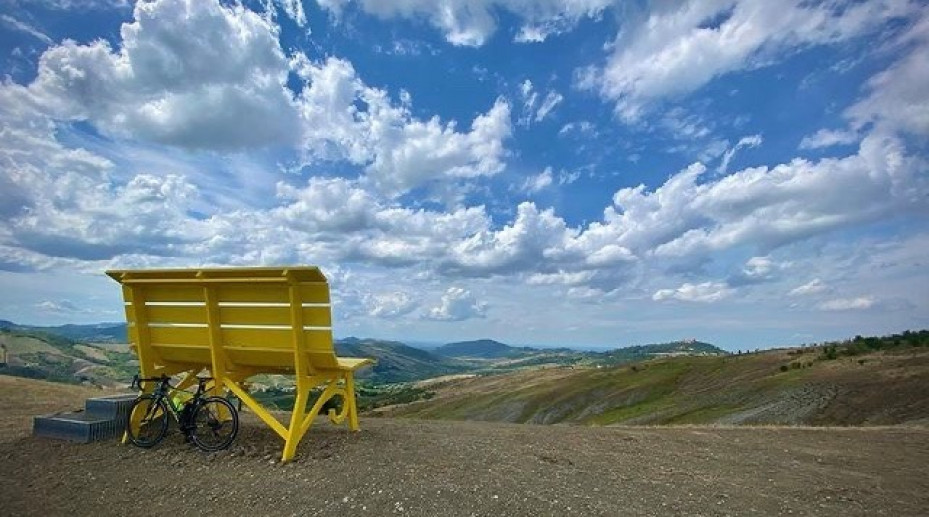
[(164, 379), (137, 381)]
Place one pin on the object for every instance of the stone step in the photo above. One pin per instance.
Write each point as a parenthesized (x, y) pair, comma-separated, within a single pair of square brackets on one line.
[(77, 426), (102, 419), (114, 407)]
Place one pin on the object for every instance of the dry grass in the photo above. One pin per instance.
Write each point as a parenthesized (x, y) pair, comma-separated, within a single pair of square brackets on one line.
[(876, 389), (22, 399)]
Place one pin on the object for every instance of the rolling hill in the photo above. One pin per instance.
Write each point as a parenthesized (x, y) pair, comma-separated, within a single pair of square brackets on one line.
[(96, 332), (863, 381), (480, 349), (397, 362), (487, 356), (689, 347), (40, 355)]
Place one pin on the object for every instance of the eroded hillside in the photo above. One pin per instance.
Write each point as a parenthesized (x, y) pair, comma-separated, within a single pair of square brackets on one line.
[(798, 386)]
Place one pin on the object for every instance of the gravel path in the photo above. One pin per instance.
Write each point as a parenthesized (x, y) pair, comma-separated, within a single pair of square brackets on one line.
[(410, 467)]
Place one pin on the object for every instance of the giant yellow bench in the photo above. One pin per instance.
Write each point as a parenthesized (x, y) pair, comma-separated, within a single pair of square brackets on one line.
[(239, 322)]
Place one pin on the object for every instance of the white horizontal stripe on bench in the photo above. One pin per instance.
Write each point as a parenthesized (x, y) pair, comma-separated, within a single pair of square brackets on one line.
[(229, 304), (269, 304), (269, 327), (230, 326), (253, 304), (175, 304)]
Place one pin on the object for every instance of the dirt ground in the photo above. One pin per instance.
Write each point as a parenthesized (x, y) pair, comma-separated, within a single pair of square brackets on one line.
[(411, 467)]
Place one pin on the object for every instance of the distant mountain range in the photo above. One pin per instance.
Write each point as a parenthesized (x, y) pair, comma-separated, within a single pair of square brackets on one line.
[(96, 332), (490, 349), (396, 361), (476, 349)]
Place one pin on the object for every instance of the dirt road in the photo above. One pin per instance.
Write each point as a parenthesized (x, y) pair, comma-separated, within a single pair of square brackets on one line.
[(410, 467)]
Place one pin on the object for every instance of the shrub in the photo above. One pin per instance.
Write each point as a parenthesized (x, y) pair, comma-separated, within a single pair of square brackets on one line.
[(830, 352)]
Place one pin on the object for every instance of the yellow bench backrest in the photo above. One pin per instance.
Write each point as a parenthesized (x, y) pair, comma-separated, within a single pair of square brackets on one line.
[(258, 319)]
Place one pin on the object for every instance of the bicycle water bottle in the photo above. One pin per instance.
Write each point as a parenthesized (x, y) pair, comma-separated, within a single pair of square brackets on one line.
[(180, 398)]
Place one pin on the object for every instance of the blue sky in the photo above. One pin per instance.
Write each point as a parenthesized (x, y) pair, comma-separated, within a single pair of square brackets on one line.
[(583, 172)]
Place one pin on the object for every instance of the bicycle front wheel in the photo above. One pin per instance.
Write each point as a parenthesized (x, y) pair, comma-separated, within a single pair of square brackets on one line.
[(148, 421), (215, 424)]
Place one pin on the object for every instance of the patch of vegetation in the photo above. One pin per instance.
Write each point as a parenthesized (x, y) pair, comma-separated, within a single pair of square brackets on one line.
[(54, 367), (370, 397), (277, 399), (30, 372), (676, 348), (865, 345), (366, 396), (704, 415), (123, 364)]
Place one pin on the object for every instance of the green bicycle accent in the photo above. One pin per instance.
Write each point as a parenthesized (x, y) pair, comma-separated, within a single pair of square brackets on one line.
[(211, 423)]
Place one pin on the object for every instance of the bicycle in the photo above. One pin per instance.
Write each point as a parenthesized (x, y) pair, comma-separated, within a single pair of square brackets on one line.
[(211, 423)]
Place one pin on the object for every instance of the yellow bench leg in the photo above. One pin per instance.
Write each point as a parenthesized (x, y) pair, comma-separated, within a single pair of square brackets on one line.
[(350, 402), (296, 422)]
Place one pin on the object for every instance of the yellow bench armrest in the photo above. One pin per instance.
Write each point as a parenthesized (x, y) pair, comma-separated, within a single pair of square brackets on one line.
[(353, 363)]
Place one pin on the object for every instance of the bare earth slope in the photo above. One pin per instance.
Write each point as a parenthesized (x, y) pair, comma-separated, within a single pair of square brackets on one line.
[(411, 467), (775, 387)]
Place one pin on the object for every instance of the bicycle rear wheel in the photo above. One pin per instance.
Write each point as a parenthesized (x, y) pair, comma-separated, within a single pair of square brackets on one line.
[(215, 424), (148, 421)]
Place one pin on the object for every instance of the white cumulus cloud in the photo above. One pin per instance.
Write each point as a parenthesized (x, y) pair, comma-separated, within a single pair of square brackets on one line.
[(705, 292), (551, 100), (472, 23), (815, 286), (457, 304), (539, 182), (389, 304), (828, 138), (348, 120), (187, 73), (847, 304), (747, 141), (897, 99), (681, 46)]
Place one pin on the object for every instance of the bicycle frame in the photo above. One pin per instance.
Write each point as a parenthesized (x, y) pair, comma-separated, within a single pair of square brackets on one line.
[(162, 393)]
